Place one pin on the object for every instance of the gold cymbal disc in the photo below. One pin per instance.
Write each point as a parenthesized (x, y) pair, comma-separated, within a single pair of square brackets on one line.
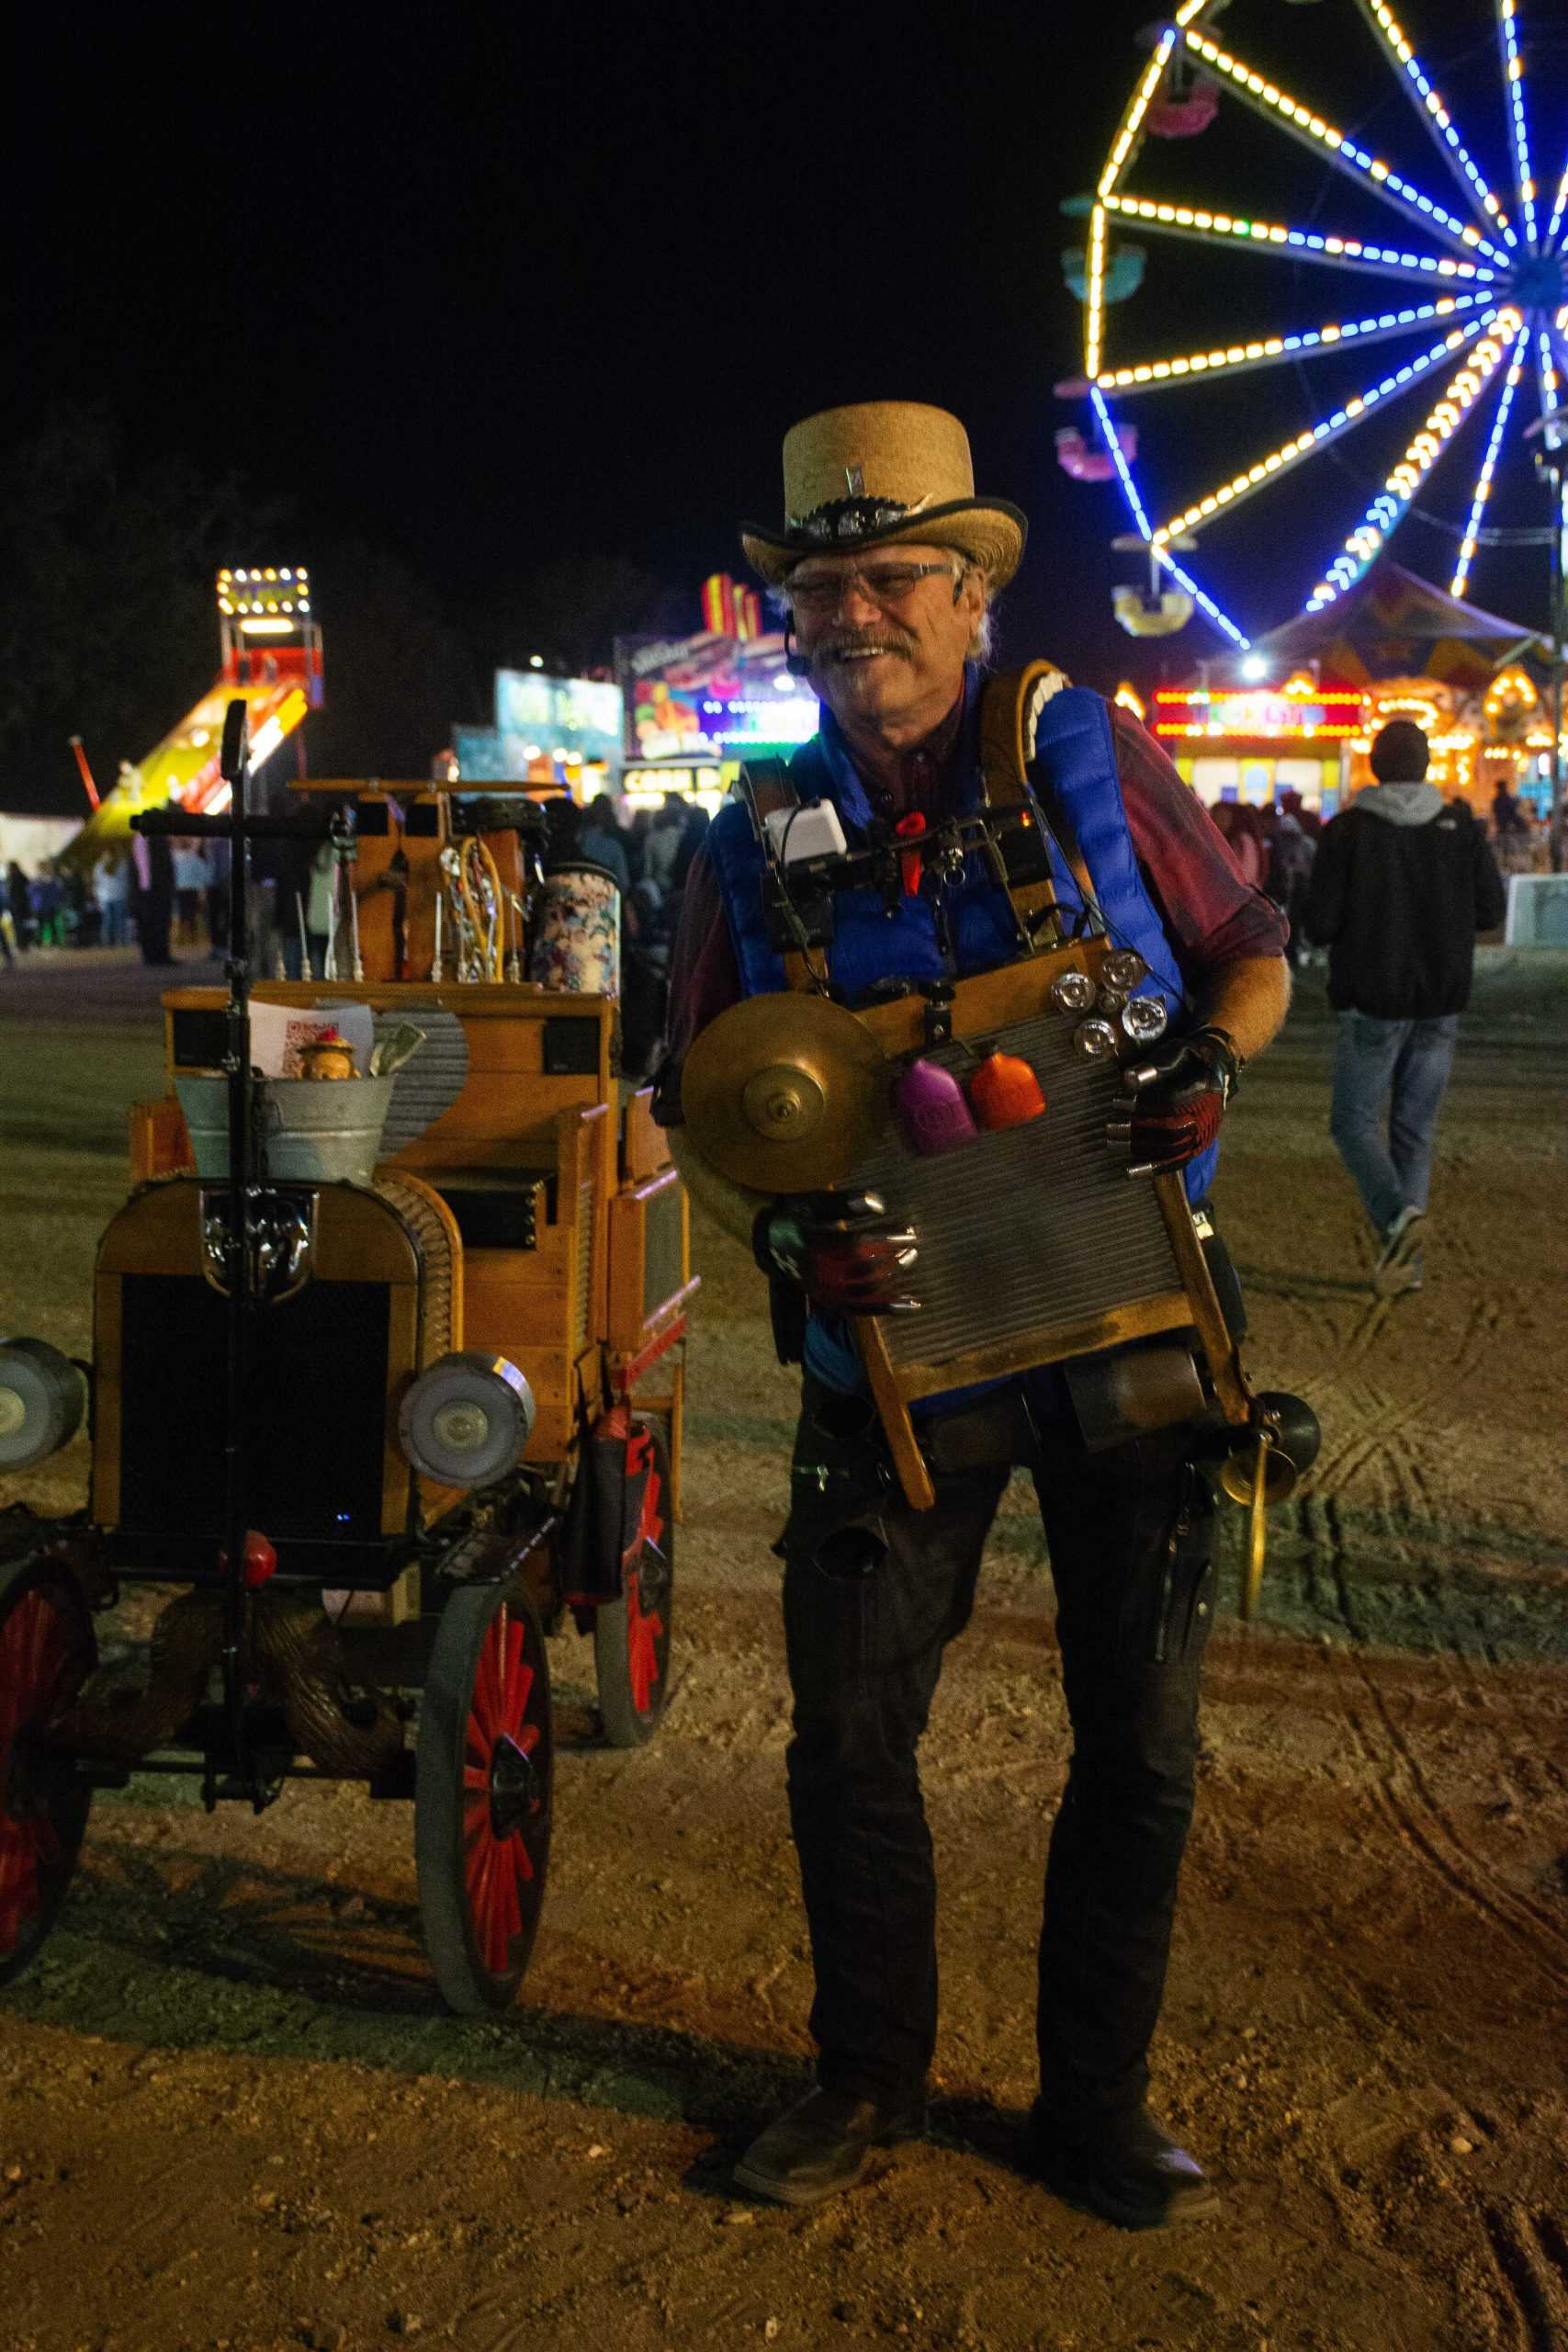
[(785, 1092)]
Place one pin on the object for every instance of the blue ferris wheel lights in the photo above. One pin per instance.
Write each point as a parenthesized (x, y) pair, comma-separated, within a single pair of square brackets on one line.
[(1163, 556), (1123, 470), (1355, 162), (1514, 76), (1434, 113), (1262, 351)]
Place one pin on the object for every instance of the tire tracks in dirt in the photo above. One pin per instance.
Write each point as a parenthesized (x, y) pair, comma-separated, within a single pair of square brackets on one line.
[(1530, 2259), (1401, 1782)]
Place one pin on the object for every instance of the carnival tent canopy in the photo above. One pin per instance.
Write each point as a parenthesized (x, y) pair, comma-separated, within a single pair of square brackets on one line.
[(1394, 625)]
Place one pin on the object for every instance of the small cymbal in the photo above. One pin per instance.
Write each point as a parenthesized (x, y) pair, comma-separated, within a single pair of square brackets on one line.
[(785, 1092)]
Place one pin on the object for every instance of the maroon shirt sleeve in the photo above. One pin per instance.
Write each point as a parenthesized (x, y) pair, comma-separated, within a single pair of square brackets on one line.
[(1210, 914)]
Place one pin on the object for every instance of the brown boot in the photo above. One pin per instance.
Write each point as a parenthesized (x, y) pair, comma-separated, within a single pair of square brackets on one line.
[(1124, 2168), (821, 2144)]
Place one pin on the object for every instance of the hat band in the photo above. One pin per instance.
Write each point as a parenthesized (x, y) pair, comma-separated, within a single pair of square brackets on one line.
[(841, 521)]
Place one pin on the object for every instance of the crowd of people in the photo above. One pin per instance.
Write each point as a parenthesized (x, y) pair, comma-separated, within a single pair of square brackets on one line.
[(159, 895), (651, 858), (153, 895), (1276, 846)]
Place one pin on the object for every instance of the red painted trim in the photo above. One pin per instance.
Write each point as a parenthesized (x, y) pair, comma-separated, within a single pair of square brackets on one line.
[(626, 1373), (496, 1869)]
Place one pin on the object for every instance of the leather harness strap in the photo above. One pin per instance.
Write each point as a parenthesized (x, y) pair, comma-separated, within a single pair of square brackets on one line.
[(1010, 705)]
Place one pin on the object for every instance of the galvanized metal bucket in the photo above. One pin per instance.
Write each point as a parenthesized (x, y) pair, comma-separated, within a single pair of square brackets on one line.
[(309, 1131)]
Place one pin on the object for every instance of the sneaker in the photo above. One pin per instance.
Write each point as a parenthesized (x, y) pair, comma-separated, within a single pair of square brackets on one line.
[(1400, 1245)]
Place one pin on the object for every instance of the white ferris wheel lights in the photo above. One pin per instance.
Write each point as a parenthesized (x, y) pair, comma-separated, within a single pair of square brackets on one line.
[(1482, 490), (1121, 146), (1150, 373), (1459, 396), (1434, 113), (1094, 304), (1343, 253), (1514, 76), (1303, 124), (1329, 428), (1558, 210)]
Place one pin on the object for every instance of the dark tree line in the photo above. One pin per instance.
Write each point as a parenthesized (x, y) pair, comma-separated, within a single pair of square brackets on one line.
[(108, 628)]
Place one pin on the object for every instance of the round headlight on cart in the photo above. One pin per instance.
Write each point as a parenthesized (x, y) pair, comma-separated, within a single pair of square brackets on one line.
[(42, 1399), (467, 1419)]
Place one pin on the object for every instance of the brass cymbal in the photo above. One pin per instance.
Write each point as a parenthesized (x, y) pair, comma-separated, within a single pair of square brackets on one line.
[(785, 1092)]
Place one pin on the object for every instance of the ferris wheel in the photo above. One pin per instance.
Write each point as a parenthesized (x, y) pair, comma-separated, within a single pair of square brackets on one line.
[(1467, 288)]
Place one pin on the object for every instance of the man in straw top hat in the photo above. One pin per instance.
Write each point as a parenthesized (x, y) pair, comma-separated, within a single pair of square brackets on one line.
[(888, 563)]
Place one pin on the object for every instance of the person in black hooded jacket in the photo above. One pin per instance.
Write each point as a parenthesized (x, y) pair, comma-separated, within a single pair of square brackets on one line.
[(1401, 885)]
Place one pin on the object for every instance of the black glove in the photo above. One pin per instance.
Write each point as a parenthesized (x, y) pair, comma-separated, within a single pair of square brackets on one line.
[(1175, 1099), (844, 1250)]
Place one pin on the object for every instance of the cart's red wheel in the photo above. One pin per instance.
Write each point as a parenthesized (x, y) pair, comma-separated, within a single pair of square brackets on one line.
[(631, 1636), (482, 1794), (47, 1651)]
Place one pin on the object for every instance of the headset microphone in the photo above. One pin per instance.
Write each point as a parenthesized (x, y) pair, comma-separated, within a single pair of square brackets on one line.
[(795, 663)]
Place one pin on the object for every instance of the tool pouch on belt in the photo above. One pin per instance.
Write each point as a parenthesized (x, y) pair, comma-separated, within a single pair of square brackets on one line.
[(603, 1524), (840, 1477)]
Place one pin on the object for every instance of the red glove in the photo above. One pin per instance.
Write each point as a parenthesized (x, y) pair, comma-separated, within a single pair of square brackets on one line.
[(843, 1249), (1177, 1099)]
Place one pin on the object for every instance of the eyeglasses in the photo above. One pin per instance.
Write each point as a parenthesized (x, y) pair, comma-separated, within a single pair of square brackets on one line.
[(884, 583)]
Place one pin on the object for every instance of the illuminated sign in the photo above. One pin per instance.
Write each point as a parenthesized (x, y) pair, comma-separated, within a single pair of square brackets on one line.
[(647, 787), (1295, 713), (542, 724), (265, 590), (715, 696), (575, 716)]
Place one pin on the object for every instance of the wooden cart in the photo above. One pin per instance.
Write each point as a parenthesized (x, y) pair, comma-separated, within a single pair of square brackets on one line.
[(525, 1226)]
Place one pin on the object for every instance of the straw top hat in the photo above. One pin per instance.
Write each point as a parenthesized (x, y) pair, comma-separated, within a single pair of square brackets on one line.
[(876, 473)]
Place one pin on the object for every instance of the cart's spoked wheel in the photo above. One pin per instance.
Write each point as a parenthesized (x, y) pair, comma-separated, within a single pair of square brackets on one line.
[(631, 1636), (482, 1794), (47, 1651)]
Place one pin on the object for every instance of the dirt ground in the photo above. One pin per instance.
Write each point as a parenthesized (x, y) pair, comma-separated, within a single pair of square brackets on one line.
[(233, 2116)]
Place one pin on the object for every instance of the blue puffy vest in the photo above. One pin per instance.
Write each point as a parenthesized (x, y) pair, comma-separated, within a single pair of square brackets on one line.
[(1076, 759)]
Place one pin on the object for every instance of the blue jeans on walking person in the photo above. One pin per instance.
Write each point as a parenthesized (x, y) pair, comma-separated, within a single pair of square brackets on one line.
[(1403, 1067)]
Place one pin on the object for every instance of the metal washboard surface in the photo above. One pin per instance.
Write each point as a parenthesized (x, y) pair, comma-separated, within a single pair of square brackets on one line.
[(431, 1082), (1026, 1226)]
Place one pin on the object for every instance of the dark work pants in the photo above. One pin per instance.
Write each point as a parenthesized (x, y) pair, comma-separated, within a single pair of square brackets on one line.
[(1128, 1532)]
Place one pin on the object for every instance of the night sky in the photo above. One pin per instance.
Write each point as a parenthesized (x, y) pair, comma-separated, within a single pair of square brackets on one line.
[(492, 287)]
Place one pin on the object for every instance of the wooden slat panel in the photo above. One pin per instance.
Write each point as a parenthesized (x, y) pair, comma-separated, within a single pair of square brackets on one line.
[(645, 1147)]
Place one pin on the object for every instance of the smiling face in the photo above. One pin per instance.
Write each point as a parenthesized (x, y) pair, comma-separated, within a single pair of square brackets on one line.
[(886, 639)]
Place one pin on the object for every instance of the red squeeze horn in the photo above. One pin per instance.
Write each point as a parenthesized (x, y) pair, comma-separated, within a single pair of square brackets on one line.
[(1005, 1092), (908, 829)]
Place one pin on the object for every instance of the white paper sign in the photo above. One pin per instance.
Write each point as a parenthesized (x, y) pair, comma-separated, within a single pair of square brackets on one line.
[(277, 1031)]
